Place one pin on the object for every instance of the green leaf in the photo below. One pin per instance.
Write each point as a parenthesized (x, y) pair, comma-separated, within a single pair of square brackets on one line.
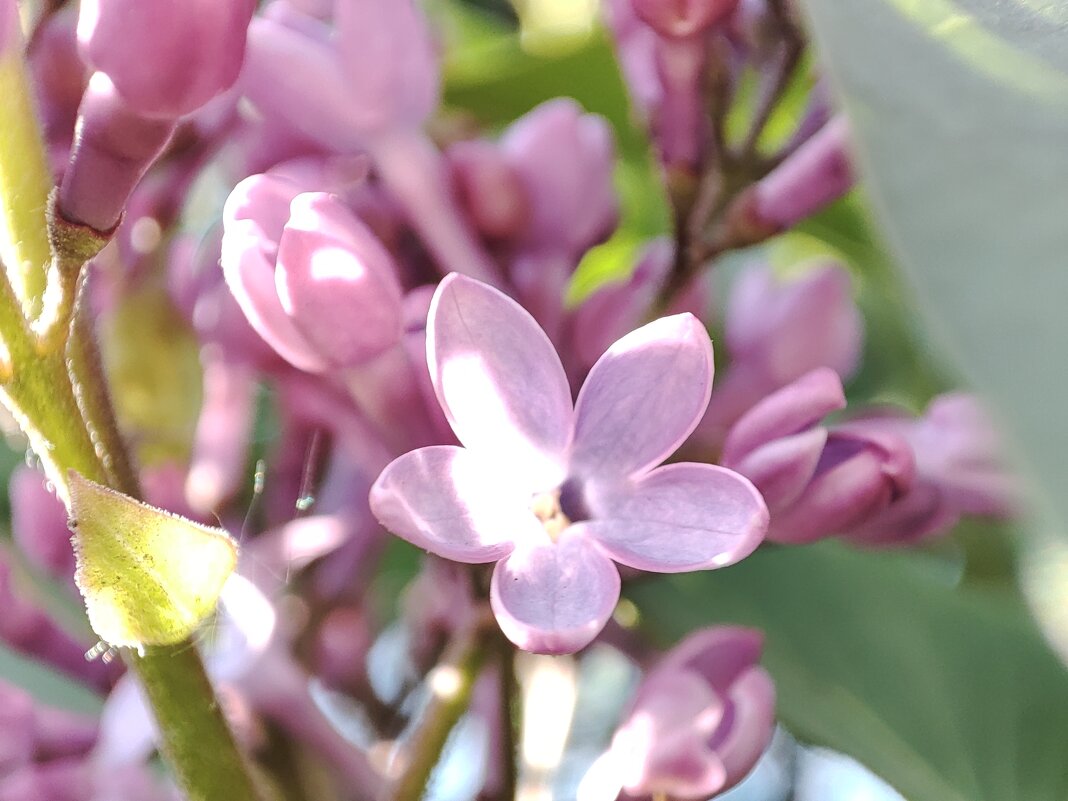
[(960, 112), (149, 577), (950, 695)]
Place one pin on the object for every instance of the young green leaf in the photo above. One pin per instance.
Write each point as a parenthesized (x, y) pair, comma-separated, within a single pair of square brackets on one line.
[(149, 577)]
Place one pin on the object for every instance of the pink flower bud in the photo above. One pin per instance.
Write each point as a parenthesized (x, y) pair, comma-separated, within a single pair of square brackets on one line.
[(564, 159), (778, 330), (60, 75), (817, 481), (618, 308), (166, 59), (311, 278), (678, 19), (489, 188), (698, 724), (812, 177), (636, 45), (114, 146), (960, 470), (388, 61)]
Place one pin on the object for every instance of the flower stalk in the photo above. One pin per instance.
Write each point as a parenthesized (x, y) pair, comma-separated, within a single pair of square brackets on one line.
[(25, 179), (450, 683), (64, 409)]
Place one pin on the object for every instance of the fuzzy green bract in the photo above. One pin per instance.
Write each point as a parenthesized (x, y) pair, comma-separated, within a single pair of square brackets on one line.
[(148, 577)]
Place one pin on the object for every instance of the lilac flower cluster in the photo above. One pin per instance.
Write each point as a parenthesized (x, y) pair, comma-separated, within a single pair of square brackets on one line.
[(404, 300)]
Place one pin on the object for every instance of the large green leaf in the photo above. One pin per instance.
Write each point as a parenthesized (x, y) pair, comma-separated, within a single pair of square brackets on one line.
[(949, 695), (960, 112)]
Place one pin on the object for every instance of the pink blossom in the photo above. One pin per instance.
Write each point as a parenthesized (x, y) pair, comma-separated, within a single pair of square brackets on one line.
[(552, 491)]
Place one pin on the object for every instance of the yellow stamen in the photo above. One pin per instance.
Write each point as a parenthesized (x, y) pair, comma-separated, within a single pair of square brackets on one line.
[(546, 507)]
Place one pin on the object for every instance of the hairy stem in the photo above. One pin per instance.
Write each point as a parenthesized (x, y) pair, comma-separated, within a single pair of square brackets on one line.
[(25, 181), (69, 422), (194, 736)]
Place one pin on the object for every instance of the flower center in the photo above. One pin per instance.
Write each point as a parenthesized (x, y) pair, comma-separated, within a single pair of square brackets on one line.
[(546, 507)]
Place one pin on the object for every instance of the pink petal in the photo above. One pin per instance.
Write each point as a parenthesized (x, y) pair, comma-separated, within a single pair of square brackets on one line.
[(554, 598), (837, 500), (783, 468), (642, 398), (720, 654), (663, 745), (499, 380), (787, 411), (750, 731), (388, 62), (453, 503), (250, 276), (337, 282), (291, 75), (678, 518), (254, 217)]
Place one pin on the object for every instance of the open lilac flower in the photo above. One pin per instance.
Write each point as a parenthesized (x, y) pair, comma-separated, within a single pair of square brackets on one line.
[(552, 491)]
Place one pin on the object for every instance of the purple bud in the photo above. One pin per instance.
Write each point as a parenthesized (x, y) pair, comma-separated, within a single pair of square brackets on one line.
[(489, 189), (680, 121), (565, 160), (698, 723), (960, 470), (388, 62), (789, 327), (114, 146), (166, 59), (311, 278), (859, 473), (817, 481), (636, 45), (378, 73), (60, 75), (337, 282), (958, 447), (679, 19), (778, 330), (616, 309), (816, 174)]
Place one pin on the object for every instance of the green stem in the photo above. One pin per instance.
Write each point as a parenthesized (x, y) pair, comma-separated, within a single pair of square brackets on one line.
[(25, 181), (450, 683), (194, 736), (94, 401), (196, 740), (66, 413), (509, 693)]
